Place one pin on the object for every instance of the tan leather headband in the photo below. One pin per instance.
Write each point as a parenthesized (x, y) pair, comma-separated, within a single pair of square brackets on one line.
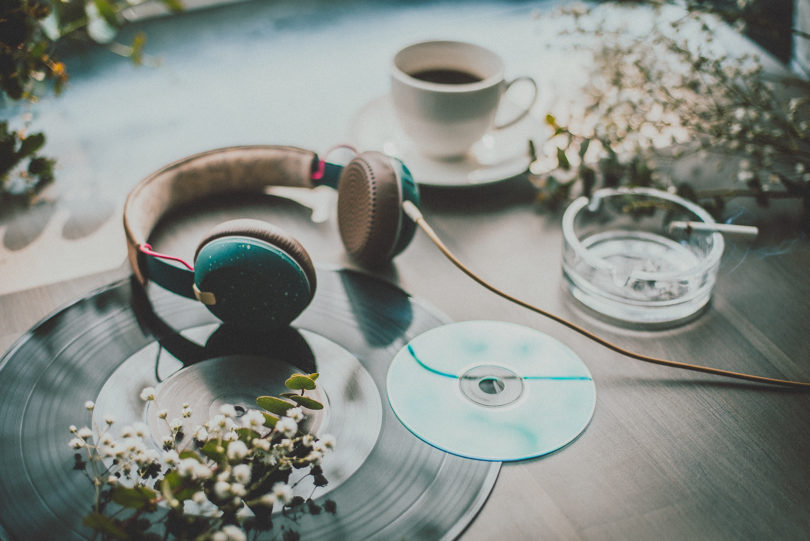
[(226, 170)]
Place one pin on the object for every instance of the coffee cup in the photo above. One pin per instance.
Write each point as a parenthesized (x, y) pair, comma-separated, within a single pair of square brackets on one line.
[(446, 95)]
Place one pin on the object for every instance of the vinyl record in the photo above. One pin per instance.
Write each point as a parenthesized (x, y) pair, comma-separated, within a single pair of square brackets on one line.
[(491, 390), (108, 346)]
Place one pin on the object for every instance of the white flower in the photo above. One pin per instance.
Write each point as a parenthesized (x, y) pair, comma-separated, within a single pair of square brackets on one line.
[(219, 536), (260, 443), (201, 471), (201, 434), (149, 456), (112, 480), (307, 440), (325, 443), (76, 443), (799, 168), (199, 498), (227, 410), (283, 492), (73, 429), (148, 394), (234, 533), (176, 424), (162, 414), (109, 419), (745, 176), (84, 433), (285, 445), (141, 429), (296, 414), (241, 473), (237, 450), (238, 489), (89, 405), (222, 489), (314, 457), (268, 500), (253, 419), (171, 458), (287, 426)]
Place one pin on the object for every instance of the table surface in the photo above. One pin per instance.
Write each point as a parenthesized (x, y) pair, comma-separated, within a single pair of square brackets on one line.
[(668, 454)]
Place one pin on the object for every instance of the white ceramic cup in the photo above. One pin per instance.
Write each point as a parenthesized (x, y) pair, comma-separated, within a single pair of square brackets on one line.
[(442, 116)]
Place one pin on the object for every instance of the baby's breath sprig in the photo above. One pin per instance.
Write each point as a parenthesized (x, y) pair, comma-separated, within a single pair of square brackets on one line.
[(221, 484), (654, 96)]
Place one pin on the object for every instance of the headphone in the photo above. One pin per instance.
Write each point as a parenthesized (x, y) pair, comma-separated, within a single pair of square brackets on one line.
[(254, 275), (251, 273)]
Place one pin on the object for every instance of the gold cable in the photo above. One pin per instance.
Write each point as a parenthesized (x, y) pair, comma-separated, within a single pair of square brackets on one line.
[(413, 212)]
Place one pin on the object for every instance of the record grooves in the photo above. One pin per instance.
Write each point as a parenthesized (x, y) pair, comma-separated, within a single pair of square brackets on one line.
[(105, 346)]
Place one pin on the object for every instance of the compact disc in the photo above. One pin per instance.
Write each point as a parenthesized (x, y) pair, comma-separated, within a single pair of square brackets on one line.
[(491, 390)]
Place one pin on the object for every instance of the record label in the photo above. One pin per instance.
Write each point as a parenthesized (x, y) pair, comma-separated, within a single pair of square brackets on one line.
[(491, 390)]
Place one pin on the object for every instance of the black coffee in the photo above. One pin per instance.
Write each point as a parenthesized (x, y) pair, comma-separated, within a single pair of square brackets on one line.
[(446, 76)]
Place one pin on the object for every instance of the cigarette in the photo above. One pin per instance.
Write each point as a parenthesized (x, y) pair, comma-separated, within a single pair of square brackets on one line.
[(746, 231)]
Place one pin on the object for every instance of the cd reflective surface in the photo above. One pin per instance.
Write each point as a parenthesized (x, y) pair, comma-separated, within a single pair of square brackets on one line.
[(107, 346), (491, 390)]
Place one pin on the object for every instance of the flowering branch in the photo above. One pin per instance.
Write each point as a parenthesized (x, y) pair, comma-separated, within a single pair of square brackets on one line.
[(226, 481), (656, 96)]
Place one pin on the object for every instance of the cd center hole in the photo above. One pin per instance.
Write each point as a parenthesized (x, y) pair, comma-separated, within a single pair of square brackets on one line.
[(491, 385), (240, 410)]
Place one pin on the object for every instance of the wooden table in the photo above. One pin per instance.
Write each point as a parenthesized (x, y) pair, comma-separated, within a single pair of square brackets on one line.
[(668, 454)]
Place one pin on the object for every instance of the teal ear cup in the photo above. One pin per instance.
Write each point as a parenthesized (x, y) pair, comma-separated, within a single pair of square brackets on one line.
[(251, 282), (410, 192)]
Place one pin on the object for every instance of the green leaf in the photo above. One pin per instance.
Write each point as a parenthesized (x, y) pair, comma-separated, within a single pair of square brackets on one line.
[(246, 435), (137, 497), (107, 12), (562, 159), (188, 453), (313, 376), (270, 420), (213, 450), (307, 402), (104, 524), (31, 144), (300, 382), (274, 405), (176, 486), (583, 148)]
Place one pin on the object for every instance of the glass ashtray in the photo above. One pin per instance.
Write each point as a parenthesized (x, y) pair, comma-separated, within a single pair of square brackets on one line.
[(623, 258)]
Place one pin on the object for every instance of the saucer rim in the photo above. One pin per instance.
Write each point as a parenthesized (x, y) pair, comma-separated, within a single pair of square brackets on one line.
[(462, 180)]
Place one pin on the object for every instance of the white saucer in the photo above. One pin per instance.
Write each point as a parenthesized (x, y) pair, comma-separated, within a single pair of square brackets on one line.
[(499, 155)]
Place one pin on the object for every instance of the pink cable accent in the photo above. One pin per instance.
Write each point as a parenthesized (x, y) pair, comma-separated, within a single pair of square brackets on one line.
[(147, 249), (318, 175)]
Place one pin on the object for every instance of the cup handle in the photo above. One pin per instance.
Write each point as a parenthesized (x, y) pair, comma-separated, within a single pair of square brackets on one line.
[(528, 107)]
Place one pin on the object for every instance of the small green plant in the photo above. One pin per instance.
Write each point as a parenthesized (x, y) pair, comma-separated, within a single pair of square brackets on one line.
[(218, 481), (29, 31)]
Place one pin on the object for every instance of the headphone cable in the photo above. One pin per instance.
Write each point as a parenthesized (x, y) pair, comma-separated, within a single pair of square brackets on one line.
[(415, 214)]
